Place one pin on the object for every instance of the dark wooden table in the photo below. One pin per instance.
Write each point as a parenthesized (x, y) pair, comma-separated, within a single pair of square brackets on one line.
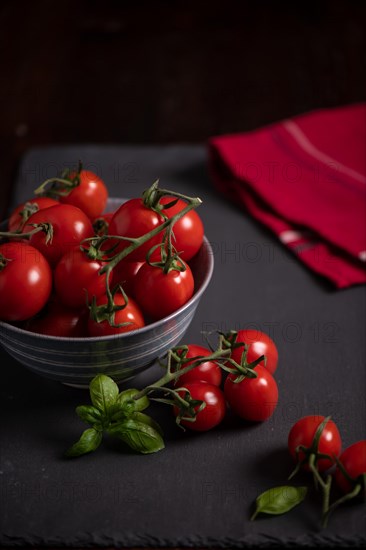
[(153, 72)]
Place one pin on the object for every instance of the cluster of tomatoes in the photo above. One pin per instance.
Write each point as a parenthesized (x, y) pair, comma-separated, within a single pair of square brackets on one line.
[(249, 389), (61, 274), (318, 436)]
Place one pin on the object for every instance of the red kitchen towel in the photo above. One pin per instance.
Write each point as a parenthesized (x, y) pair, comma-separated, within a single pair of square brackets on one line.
[(305, 179)]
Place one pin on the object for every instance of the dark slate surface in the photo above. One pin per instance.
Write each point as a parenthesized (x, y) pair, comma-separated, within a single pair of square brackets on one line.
[(200, 489)]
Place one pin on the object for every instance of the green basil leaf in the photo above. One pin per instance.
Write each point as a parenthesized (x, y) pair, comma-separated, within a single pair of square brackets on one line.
[(279, 500), (89, 414), (146, 419), (88, 442), (103, 392), (138, 435), (127, 397)]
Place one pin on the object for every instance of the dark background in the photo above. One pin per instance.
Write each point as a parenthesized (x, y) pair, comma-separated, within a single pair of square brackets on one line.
[(108, 71)]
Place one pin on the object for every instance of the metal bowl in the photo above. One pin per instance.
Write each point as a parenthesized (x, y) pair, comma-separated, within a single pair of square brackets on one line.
[(76, 361)]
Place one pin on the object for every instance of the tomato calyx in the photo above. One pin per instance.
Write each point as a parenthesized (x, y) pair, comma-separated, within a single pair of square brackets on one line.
[(244, 369), (27, 211), (61, 186), (106, 312), (4, 261), (100, 226)]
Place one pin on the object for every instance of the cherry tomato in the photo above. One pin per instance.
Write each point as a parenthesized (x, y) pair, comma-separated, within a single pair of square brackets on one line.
[(160, 294), (90, 195), (259, 344), (133, 219), (253, 399), (17, 220), (353, 460), (188, 230), (78, 278), (70, 226), (25, 281), (215, 408), (130, 314), (124, 274), (208, 372), (59, 320), (303, 432)]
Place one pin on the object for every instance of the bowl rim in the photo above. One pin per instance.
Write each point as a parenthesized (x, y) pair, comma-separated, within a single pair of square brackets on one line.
[(151, 326)]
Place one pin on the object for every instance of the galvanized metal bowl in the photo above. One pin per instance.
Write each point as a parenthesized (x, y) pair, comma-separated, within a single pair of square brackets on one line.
[(76, 361)]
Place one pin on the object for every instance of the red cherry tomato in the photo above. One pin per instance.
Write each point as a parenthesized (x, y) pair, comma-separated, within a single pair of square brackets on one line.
[(208, 371), (215, 408), (124, 274), (259, 344), (59, 320), (160, 294), (78, 278), (130, 314), (133, 219), (90, 195), (17, 219), (70, 226), (303, 432), (353, 460), (253, 399), (188, 230), (25, 281)]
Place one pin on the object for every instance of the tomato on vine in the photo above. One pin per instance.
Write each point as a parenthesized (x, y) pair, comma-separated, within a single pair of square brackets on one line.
[(208, 371), (302, 442), (25, 281), (133, 219), (63, 227), (22, 213), (212, 413), (188, 230), (78, 278), (160, 294), (130, 317), (351, 467), (258, 343), (253, 399)]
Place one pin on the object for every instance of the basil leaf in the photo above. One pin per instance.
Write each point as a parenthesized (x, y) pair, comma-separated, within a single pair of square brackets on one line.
[(279, 500), (88, 442), (89, 414), (138, 435), (146, 419), (103, 392), (127, 397)]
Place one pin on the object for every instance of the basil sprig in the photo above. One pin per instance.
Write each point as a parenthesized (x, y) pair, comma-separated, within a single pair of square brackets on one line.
[(119, 415)]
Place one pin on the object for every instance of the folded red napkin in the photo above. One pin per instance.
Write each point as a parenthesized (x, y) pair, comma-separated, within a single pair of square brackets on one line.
[(305, 179)]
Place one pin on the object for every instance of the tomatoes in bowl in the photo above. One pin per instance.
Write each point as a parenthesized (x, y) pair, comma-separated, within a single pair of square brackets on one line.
[(25, 281)]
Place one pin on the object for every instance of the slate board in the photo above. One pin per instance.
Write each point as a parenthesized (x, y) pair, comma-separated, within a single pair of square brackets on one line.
[(199, 491)]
